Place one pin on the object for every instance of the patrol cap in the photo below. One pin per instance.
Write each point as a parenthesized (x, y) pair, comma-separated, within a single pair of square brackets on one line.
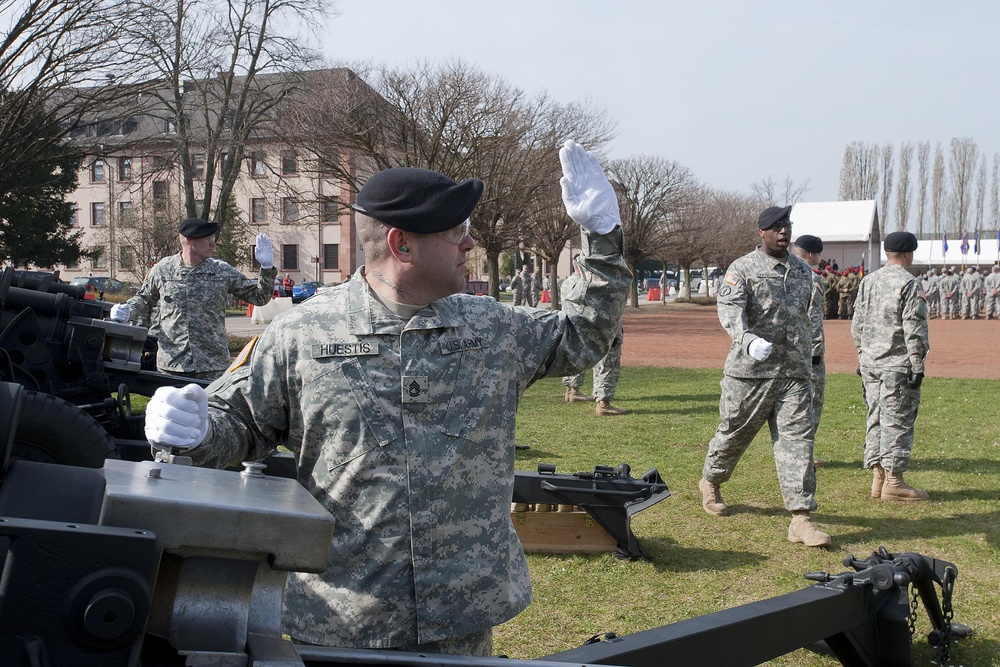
[(810, 243), (900, 242), (418, 200), (773, 215), (197, 228)]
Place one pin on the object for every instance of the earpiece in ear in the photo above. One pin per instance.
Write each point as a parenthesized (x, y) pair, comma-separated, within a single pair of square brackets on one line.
[(404, 248)]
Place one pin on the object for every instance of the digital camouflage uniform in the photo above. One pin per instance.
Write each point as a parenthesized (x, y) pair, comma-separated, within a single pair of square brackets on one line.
[(890, 334), (818, 351), (932, 292), (520, 288), (977, 304), (950, 286), (968, 288), (769, 298), (185, 308), (830, 297), (991, 285), (608, 369), (404, 431), (535, 292)]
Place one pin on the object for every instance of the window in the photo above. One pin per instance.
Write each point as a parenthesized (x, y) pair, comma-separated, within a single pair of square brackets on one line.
[(289, 163), (126, 256), (125, 214), (198, 165), (223, 161), (101, 261), (160, 194), (74, 219), (290, 257), (289, 209), (331, 256), (72, 265), (159, 163), (97, 171), (97, 214), (124, 169), (257, 165), (169, 126), (258, 211), (328, 209)]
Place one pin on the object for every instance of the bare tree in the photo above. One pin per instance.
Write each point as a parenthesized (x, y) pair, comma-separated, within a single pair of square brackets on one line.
[(923, 172), (885, 193), (995, 195), (735, 231), (859, 174), (981, 193), (903, 187), (939, 190), (651, 190), (769, 193), (964, 155)]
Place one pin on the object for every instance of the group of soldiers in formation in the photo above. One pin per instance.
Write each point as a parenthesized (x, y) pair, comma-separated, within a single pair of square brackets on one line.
[(526, 287), (965, 295)]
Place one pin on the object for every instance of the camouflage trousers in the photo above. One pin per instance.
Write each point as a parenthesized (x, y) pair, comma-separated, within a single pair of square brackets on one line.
[(992, 305), (818, 392), (970, 305), (785, 404), (606, 373), (892, 411), (519, 299), (950, 305), (933, 305)]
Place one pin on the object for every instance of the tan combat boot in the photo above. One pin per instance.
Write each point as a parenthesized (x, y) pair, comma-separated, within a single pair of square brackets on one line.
[(802, 530), (605, 409), (878, 480), (895, 489), (574, 395), (711, 498)]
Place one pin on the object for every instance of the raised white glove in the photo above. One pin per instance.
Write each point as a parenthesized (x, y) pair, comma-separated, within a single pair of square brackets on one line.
[(760, 349), (120, 312), (589, 198), (262, 252), (177, 418)]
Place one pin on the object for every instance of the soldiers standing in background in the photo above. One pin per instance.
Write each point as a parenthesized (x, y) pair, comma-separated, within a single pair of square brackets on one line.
[(535, 291), (767, 376), (890, 335), (977, 302), (807, 248), (846, 289), (968, 288), (932, 290), (830, 295), (520, 287), (950, 286), (991, 285)]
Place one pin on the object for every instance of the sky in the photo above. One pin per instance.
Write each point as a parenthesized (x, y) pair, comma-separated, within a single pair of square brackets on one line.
[(737, 91)]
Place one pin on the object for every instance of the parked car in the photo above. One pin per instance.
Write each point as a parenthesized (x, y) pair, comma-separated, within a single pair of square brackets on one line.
[(101, 284), (302, 291)]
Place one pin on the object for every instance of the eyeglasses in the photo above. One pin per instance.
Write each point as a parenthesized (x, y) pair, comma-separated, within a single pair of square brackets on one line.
[(456, 234)]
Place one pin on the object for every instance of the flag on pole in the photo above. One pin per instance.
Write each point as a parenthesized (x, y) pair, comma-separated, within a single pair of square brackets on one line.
[(965, 243), (944, 242), (975, 245)]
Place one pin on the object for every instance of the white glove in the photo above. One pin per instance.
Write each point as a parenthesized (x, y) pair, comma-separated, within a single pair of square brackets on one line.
[(262, 252), (120, 312), (177, 418), (760, 349), (589, 198)]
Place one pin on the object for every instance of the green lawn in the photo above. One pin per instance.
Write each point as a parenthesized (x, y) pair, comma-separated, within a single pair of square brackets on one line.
[(700, 564)]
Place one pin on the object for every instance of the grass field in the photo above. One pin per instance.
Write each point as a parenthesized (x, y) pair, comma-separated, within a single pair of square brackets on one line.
[(701, 564)]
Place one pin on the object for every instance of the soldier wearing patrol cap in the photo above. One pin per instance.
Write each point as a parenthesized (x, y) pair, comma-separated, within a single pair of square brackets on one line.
[(890, 334), (397, 394), (768, 374), (808, 247), (188, 291)]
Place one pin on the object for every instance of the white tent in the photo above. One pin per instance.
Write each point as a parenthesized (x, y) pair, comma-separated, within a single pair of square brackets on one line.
[(849, 230)]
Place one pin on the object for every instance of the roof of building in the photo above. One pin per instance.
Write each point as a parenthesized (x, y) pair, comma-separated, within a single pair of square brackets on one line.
[(836, 221)]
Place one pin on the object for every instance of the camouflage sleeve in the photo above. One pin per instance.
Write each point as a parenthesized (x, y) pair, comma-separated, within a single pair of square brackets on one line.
[(816, 317), (732, 302), (915, 326), (858, 320), (257, 291), (142, 304)]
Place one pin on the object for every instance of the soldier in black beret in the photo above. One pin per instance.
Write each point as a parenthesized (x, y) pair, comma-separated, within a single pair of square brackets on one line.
[(418, 200), (196, 228), (811, 244), (773, 215), (890, 334)]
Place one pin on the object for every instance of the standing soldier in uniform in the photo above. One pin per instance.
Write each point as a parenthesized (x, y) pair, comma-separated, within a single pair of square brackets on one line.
[(932, 291), (844, 302), (535, 291), (991, 285), (977, 304), (520, 286), (950, 285), (890, 334), (183, 301), (830, 280), (807, 248), (397, 393), (968, 293), (764, 306)]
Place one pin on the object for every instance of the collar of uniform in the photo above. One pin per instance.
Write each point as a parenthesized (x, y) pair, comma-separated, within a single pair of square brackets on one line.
[(774, 261)]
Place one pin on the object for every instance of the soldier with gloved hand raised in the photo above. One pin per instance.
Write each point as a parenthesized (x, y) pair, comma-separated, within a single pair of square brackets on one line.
[(189, 291), (764, 303), (396, 392)]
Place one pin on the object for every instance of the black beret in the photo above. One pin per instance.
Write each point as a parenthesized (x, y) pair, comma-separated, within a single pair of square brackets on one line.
[(196, 228), (418, 200), (773, 215), (900, 242), (810, 243)]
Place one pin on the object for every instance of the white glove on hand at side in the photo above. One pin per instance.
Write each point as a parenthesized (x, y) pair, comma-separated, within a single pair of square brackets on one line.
[(120, 312), (589, 198), (177, 418), (262, 251), (760, 349)]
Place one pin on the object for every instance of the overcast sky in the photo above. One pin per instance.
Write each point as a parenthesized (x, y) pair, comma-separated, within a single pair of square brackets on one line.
[(735, 90)]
